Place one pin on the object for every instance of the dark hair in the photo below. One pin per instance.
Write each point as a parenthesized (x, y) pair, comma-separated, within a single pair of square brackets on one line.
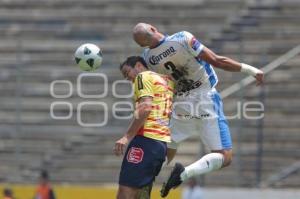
[(132, 60), (7, 192), (44, 174)]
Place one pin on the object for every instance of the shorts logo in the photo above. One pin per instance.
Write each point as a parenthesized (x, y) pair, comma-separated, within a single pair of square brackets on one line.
[(195, 44), (135, 155)]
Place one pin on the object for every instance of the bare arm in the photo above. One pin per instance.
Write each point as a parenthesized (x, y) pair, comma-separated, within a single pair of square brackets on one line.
[(143, 109), (202, 52), (221, 62), (229, 64)]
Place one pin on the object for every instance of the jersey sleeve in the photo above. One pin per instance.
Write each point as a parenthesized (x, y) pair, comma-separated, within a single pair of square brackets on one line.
[(192, 44), (143, 86), (144, 54)]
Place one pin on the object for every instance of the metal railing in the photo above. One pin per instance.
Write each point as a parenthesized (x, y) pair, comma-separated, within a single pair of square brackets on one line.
[(282, 174), (268, 68)]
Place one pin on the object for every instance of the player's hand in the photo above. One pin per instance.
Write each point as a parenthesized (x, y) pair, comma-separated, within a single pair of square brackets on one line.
[(120, 146), (259, 78)]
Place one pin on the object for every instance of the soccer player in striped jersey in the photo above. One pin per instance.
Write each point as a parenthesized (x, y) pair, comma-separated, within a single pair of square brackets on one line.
[(149, 133), (198, 109)]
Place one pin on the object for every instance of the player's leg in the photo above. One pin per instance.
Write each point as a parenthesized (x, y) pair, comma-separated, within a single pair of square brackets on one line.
[(215, 135), (215, 160), (145, 192), (208, 163), (181, 129), (227, 155), (125, 192)]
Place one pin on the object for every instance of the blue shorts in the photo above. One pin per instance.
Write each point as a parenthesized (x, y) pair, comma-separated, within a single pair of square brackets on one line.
[(200, 113), (142, 162)]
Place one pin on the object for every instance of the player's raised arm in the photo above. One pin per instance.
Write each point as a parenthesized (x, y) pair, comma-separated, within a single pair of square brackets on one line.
[(229, 64)]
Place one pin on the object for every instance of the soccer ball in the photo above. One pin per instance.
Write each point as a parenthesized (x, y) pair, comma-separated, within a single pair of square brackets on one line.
[(88, 57)]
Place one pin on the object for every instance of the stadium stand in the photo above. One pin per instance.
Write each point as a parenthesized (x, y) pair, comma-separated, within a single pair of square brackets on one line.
[(38, 39), (258, 33)]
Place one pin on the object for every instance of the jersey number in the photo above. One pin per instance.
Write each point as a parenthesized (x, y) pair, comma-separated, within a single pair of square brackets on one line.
[(176, 74), (140, 82)]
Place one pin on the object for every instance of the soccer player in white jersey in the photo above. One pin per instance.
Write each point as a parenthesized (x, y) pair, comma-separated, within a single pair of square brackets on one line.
[(197, 107)]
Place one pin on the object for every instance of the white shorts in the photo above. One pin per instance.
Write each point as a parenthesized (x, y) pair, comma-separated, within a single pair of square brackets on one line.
[(200, 112)]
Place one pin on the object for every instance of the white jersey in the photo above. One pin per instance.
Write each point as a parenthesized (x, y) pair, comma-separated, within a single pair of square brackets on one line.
[(177, 56), (200, 110)]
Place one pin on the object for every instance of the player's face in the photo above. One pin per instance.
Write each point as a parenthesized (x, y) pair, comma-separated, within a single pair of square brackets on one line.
[(129, 73)]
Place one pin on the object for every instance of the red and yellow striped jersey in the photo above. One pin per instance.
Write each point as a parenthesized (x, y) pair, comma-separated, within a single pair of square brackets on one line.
[(161, 89)]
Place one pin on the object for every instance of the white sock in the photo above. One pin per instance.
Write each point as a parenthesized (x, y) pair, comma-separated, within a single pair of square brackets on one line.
[(206, 164)]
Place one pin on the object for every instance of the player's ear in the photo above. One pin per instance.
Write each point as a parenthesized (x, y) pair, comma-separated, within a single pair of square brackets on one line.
[(139, 66), (153, 29)]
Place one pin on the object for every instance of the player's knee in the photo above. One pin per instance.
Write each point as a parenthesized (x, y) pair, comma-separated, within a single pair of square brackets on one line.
[(227, 157)]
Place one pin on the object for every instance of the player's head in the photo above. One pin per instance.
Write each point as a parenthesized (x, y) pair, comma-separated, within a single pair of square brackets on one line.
[(132, 66), (44, 177), (146, 35), (7, 192)]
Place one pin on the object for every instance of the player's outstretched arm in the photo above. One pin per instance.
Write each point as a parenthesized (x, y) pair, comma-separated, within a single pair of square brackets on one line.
[(229, 64)]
